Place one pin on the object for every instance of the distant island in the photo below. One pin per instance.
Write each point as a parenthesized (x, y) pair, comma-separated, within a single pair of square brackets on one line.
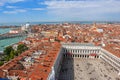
[(18, 24)]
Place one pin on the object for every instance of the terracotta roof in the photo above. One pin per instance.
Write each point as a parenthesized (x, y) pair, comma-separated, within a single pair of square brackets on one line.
[(1, 74), (114, 49)]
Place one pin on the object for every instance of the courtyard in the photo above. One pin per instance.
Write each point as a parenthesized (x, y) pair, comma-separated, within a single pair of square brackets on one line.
[(87, 69)]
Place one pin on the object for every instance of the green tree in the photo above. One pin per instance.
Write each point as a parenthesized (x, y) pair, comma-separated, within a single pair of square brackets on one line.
[(12, 54), (1, 63), (21, 48), (26, 32), (8, 49), (16, 53), (7, 58)]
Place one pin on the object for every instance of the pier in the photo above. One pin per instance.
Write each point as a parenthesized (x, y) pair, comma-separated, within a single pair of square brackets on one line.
[(8, 35)]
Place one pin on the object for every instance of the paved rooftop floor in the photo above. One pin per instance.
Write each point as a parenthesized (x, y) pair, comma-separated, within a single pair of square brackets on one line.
[(87, 69)]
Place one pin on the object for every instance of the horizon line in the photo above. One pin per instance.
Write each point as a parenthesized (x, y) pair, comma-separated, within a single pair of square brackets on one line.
[(65, 21)]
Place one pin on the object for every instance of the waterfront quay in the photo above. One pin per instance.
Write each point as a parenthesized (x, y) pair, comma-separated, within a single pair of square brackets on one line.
[(9, 35)]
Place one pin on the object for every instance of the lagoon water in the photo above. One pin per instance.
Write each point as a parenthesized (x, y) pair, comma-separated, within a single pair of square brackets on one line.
[(4, 30), (8, 41), (56, 22)]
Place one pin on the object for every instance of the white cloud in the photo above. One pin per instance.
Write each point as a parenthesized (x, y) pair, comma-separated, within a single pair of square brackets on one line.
[(37, 9), (21, 10), (15, 11), (82, 8), (11, 7), (9, 12), (69, 4), (2, 2), (13, 1)]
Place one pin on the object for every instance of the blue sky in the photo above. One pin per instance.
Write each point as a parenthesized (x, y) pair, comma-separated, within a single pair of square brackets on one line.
[(59, 10)]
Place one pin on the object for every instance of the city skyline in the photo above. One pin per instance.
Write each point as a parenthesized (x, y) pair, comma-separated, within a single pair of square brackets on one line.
[(59, 10)]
